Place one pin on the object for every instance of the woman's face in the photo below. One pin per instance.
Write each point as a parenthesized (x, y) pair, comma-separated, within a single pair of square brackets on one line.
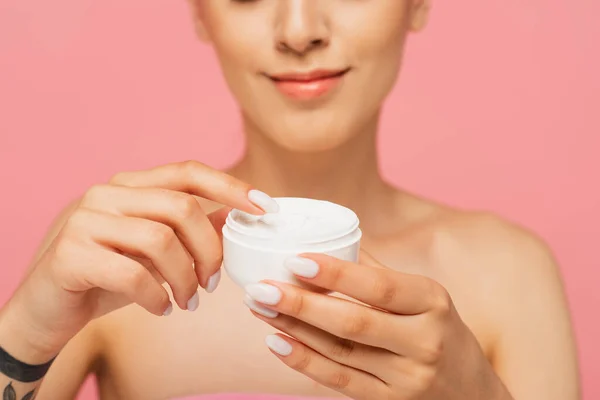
[(309, 74)]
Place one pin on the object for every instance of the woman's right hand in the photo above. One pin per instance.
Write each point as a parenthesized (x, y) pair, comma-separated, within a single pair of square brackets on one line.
[(121, 243)]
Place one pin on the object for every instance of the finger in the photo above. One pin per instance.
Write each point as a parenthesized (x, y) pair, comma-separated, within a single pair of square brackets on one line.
[(150, 239), (217, 219), (374, 360), (118, 274), (213, 272), (196, 178), (340, 317), (356, 384), (417, 336), (394, 291), (179, 210)]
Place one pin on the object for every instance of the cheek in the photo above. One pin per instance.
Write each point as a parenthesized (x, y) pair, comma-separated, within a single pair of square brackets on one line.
[(238, 41), (378, 55)]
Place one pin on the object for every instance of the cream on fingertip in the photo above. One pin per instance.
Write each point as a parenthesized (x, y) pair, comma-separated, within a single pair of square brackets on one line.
[(263, 201)]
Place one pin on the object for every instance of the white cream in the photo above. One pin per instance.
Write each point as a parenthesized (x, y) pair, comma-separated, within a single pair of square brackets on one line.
[(255, 248)]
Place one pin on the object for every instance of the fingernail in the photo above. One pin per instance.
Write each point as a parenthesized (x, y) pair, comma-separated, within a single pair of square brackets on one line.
[(213, 282), (257, 308), (263, 201), (194, 302), (264, 293), (278, 345), (303, 267), (169, 310)]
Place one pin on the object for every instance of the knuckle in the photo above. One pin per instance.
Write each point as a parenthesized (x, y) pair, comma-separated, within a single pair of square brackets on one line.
[(190, 167), (385, 290), (76, 221), (336, 273), (186, 206), (339, 380), (65, 248), (160, 237), (302, 363), (342, 348), (356, 325), (92, 194), (297, 306), (422, 379), (441, 299), (136, 281), (432, 350)]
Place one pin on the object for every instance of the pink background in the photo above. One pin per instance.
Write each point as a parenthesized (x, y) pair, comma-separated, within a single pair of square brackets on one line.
[(498, 107)]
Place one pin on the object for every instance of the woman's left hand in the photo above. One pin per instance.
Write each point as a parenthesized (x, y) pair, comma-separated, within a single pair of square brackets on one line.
[(404, 340)]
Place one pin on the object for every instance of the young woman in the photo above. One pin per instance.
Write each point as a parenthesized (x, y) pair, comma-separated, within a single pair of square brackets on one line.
[(447, 304)]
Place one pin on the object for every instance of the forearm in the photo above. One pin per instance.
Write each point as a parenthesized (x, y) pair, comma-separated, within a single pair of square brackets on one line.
[(13, 389), (23, 365)]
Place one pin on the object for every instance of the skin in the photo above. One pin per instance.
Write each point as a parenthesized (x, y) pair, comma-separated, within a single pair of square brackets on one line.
[(465, 304)]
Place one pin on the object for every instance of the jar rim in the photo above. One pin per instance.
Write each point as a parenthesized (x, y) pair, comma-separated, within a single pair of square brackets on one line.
[(309, 221)]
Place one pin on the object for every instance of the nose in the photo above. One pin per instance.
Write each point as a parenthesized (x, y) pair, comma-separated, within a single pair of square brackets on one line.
[(302, 26)]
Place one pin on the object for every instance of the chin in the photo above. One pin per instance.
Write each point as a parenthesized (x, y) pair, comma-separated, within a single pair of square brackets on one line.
[(312, 141)]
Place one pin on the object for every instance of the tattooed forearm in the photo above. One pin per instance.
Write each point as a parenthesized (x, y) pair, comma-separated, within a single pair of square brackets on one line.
[(20, 380), (10, 393)]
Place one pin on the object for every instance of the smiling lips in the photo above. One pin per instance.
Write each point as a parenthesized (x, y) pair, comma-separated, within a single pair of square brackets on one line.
[(307, 86)]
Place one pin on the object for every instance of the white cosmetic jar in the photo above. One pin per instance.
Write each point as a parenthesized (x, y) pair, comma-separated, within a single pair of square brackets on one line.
[(255, 247)]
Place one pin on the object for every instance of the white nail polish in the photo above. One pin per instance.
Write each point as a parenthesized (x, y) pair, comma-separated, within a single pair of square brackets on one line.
[(263, 201), (257, 308), (169, 310), (264, 293), (213, 282), (194, 302), (278, 345), (302, 267)]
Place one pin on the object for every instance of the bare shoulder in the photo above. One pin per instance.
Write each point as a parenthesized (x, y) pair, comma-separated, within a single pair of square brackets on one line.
[(476, 242), (489, 238), (508, 262), (507, 286), (481, 256)]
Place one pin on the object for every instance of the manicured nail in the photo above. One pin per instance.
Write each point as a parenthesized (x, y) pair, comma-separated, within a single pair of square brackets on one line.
[(213, 282), (194, 302), (257, 308), (278, 345), (263, 201), (303, 267), (169, 310), (264, 293)]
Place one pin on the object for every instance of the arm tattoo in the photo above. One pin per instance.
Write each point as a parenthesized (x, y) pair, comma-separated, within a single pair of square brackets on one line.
[(11, 394), (20, 371)]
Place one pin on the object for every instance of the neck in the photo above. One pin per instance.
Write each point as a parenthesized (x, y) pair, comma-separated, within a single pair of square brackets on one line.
[(347, 175)]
